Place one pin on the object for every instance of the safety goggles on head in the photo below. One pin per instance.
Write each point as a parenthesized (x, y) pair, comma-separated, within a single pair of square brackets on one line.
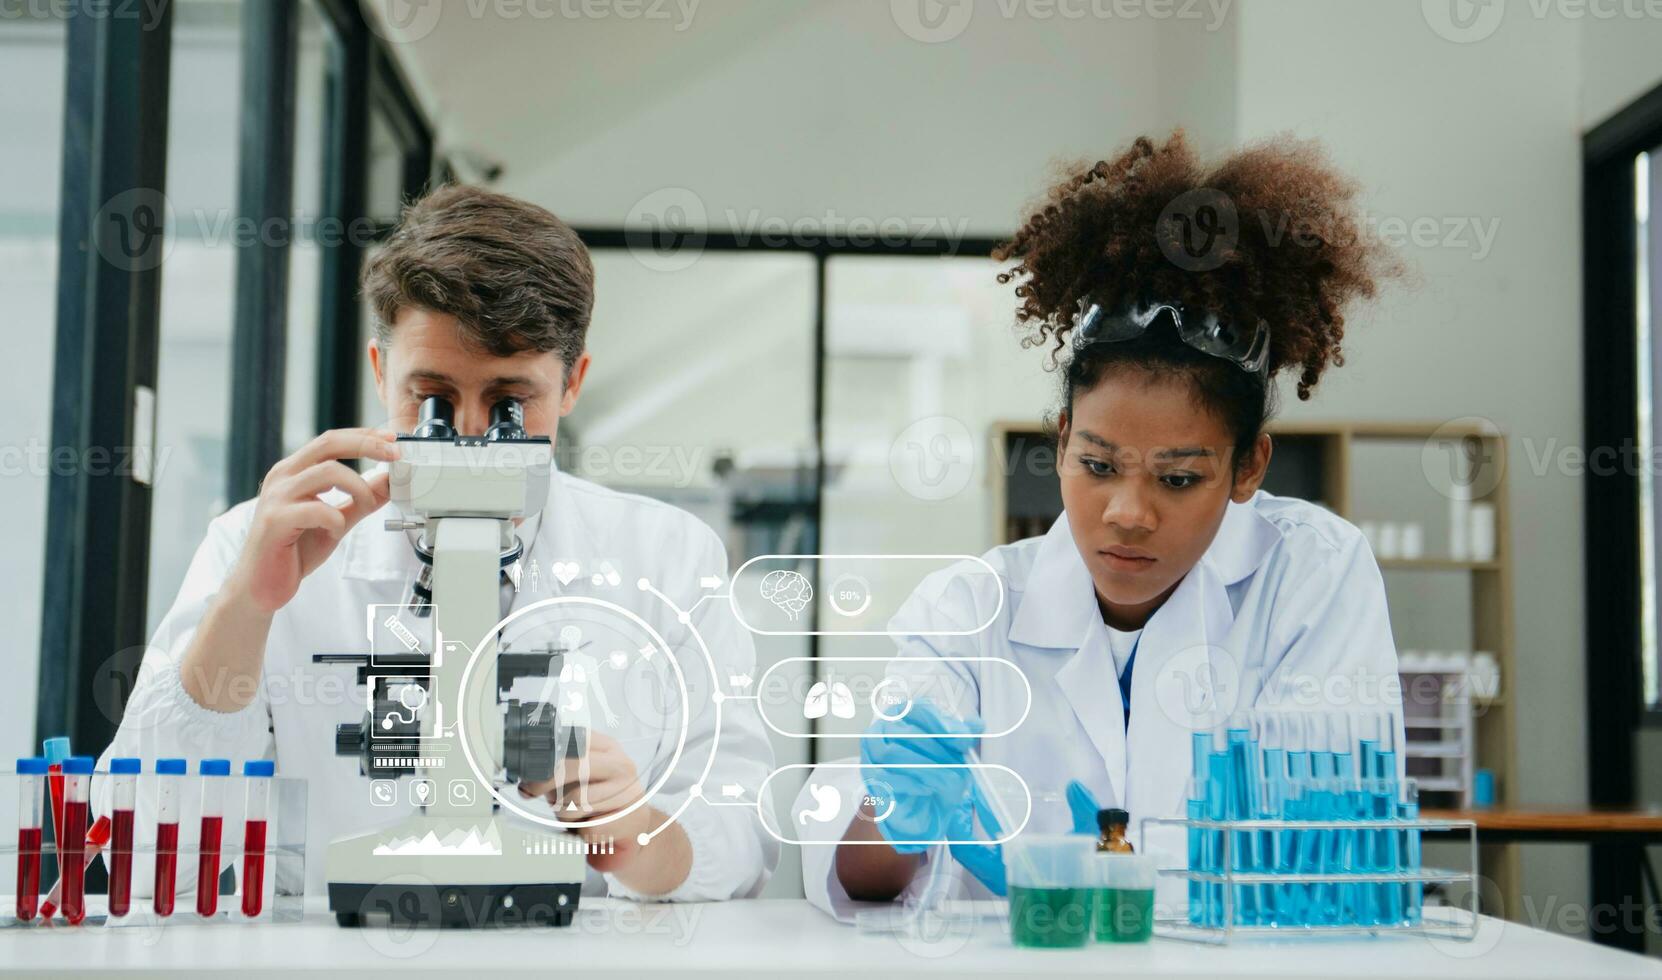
[(1247, 347)]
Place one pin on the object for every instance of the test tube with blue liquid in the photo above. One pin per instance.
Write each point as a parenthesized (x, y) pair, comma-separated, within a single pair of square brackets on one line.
[(1391, 897), (1200, 858)]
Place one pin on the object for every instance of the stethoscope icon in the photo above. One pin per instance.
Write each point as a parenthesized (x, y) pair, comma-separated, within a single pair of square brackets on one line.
[(409, 693)]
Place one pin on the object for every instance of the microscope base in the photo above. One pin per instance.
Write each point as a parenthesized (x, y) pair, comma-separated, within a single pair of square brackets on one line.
[(455, 906), (415, 874)]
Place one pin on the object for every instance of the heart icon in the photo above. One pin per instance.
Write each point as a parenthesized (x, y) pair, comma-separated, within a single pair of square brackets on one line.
[(565, 571)]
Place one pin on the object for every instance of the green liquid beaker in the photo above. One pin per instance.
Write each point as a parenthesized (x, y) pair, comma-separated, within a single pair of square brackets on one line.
[(1124, 898), (1124, 915), (1051, 889), (1050, 918)]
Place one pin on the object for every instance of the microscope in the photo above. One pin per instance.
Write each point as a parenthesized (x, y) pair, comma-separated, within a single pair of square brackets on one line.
[(457, 861)]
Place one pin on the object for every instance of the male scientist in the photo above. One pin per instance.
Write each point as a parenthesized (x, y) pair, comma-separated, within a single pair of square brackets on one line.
[(477, 297)]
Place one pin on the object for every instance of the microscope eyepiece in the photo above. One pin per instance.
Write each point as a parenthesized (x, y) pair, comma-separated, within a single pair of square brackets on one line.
[(507, 421), (437, 419)]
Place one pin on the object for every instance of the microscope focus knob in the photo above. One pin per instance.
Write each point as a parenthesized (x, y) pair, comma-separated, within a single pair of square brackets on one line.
[(528, 741), (349, 739)]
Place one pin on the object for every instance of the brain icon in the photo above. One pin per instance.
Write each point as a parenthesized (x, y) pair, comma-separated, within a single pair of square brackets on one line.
[(788, 590)]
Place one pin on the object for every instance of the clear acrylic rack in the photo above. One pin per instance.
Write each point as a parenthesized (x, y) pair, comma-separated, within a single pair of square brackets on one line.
[(1236, 903), (284, 873)]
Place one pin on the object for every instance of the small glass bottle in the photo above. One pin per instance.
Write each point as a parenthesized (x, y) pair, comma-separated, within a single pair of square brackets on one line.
[(1124, 899), (1111, 824)]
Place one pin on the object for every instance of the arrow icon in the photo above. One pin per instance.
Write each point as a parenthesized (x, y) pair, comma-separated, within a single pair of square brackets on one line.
[(733, 790), (710, 582), (739, 680)]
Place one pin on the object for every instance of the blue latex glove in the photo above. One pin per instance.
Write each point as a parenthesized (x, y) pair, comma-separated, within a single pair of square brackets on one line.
[(926, 801), (986, 861), (1084, 807)]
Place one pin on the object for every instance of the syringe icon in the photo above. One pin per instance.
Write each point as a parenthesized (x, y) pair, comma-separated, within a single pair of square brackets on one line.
[(403, 633)]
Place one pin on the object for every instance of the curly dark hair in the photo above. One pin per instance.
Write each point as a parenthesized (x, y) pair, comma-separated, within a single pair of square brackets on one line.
[(1283, 245)]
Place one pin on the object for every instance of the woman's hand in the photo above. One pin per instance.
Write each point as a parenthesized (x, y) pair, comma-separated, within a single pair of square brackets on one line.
[(915, 762), (612, 785)]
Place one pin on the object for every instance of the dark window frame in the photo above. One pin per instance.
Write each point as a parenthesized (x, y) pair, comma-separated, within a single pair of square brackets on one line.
[(97, 556), (117, 93), (1614, 698), (620, 239)]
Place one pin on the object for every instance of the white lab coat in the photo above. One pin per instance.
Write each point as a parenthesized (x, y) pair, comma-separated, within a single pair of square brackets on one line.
[(1287, 606), (298, 704)]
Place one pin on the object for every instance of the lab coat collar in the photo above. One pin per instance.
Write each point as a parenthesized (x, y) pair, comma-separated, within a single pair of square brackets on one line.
[(1059, 599), (1188, 631), (375, 554)]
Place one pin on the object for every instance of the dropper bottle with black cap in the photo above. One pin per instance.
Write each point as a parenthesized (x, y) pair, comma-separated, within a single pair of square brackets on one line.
[(1111, 824)]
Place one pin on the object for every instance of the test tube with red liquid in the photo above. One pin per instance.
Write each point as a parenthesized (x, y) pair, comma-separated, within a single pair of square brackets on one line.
[(123, 799), (77, 805), (56, 750), (31, 775), (213, 773), (97, 836), (257, 773), (169, 775)]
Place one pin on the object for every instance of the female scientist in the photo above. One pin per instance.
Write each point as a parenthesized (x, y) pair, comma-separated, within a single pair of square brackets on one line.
[(1172, 590)]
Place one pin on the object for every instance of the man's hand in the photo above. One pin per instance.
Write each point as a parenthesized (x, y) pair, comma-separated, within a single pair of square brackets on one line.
[(613, 785), (293, 531)]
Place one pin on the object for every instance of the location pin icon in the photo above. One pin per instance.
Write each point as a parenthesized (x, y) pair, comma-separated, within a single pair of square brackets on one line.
[(422, 789)]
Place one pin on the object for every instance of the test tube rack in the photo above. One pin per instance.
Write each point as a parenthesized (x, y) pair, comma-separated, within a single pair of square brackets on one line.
[(284, 870), (1234, 898)]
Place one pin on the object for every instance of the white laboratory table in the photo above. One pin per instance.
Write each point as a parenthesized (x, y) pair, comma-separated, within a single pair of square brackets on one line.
[(772, 938)]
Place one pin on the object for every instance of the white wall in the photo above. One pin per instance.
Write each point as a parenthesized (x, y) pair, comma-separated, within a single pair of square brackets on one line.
[(792, 110), (31, 100), (1487, 131), (1621, 59)]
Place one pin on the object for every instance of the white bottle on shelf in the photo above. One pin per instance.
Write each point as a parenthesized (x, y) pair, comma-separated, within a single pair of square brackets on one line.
[(1370, 534), (1413, 540), (1390, 540), (1459, 529), (1483, 532), (1485, 676)]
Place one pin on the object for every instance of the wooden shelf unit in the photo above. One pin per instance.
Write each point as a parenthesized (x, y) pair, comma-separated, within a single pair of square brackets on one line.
[(1025, 500)]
